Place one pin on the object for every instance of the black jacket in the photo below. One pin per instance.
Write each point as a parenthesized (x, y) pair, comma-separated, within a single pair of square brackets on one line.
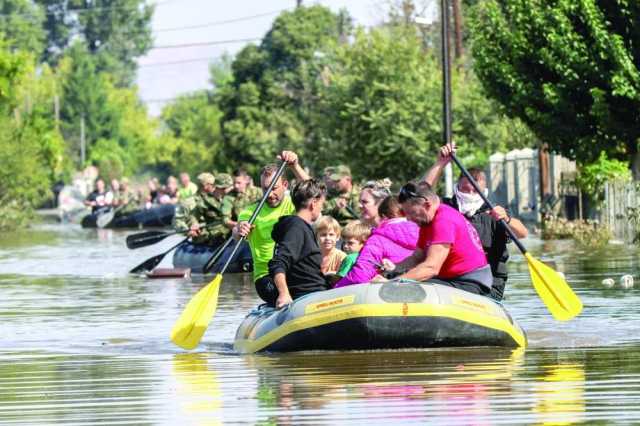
[(297, 255), (494, 242)]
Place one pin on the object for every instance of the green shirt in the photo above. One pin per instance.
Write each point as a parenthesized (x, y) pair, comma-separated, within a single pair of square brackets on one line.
[(260, 237), (189, 191), (347, 264)]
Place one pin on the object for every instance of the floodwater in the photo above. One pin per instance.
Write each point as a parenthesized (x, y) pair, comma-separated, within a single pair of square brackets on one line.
[(82, 342)]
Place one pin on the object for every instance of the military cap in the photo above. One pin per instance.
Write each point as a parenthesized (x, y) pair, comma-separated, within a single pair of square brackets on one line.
[(206, 178), (224, 180), (338, 172)]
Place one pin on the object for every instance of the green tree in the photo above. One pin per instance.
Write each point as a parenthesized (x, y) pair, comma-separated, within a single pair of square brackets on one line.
[(194, 125), (381, 110), (115, 31), (267, 104), (568, 69), (32, 148), (21, 23)]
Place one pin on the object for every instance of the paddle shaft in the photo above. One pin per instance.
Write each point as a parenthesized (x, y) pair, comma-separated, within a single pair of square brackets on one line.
[(157, 237), (275, 179)]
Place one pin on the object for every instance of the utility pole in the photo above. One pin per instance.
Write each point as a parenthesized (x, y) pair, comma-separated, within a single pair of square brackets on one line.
[(56, 111), (457, 29), (82, 142), (446, 92), (298, 3)]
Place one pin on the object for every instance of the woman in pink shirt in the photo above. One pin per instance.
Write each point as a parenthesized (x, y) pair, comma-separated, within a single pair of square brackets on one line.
[(394, 238), (449, 249)]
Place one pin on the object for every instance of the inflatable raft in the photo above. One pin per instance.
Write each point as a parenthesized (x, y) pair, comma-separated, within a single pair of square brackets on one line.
[(195, 256), (158, 216), (387, 315)]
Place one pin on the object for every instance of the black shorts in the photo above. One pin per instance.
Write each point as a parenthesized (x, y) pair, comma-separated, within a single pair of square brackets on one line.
[(267, 290)]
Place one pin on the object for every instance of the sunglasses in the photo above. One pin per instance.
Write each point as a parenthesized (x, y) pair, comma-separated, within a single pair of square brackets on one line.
[(408, 192)]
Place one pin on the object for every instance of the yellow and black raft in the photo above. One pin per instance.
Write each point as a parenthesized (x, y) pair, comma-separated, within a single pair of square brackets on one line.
[(391, 315)]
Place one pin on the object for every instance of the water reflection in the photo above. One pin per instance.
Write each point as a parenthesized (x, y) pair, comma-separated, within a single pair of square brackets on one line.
[(198, 390), (560, 394)]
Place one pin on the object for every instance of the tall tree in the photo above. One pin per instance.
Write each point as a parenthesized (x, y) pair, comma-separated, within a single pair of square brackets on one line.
[(569, 69), (115, 31), (381, 111), (21, 24), (266, 106)]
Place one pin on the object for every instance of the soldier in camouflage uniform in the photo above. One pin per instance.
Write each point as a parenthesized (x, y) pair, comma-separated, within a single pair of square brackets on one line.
[(203, 214), (343, 200), (126, 198), (243, 194)]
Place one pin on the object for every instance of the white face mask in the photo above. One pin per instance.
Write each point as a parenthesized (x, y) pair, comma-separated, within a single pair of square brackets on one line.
[(468, 204)]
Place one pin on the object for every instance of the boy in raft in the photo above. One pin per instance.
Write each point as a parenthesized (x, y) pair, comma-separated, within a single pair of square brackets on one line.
[(354, 235), (328, 234), (449, 249), (278, 204), (295, 266)]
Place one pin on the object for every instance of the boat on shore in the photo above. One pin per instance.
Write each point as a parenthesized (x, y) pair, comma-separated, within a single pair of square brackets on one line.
[(158, 216), (196, 256), (390, 315)]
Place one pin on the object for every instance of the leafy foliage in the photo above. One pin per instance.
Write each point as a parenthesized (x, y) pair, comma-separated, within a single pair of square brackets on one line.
[(592, 177), (568, 69)]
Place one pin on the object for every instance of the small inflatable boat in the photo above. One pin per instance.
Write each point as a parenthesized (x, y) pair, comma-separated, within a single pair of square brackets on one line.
[(157, 216), (391, 315), (196, 256)]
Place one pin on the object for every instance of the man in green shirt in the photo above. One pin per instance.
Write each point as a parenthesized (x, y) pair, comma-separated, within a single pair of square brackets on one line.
[(202, 214), (343, 201), (187, 188), (278, 204)]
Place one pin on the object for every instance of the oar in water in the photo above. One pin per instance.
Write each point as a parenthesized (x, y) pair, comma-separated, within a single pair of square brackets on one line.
[(104, 219), (147, 238), (151, 263), (197, 315), (554, 291)]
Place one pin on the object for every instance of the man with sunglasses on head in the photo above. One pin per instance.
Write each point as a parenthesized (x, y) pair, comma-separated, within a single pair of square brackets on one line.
[(449, 250), (486, 220)]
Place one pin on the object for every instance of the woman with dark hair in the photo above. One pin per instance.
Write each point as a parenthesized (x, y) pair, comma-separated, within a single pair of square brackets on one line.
[(393, 238)]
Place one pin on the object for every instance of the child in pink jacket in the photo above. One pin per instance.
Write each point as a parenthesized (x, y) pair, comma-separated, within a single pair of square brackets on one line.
[(395, 238)]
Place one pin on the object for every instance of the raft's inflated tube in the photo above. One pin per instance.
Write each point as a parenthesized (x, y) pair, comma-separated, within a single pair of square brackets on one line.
[(380, 316), (158, 216), (196, 256)]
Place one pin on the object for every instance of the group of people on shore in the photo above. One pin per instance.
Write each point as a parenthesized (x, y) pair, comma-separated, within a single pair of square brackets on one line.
[(330, 232)]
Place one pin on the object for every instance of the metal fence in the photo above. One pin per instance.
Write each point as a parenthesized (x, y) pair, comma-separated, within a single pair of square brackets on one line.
[(513, 180)]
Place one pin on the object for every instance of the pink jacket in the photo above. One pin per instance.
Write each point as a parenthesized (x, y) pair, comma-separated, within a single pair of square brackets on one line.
[(394, 239)]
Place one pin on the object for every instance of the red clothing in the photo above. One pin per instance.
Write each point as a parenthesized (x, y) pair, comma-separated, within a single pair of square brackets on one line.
[(449, 226)]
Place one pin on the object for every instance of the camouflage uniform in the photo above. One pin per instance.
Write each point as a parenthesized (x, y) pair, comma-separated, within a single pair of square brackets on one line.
[(240, 201), (205, 209), (352, 210), (127, 201)]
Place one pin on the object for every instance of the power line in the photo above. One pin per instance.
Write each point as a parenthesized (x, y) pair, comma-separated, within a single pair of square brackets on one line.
[(228, 21), (82, 10), (184, 61), (206, 43)]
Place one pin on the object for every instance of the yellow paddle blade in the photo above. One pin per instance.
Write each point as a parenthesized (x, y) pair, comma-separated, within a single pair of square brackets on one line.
[(194, 320), (554, 291)]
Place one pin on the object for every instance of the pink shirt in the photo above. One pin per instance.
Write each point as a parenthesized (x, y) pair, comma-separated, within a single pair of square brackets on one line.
[(449, 226)]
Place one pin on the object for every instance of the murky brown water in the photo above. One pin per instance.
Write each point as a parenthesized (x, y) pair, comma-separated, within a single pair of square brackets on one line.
[(81, 342)]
